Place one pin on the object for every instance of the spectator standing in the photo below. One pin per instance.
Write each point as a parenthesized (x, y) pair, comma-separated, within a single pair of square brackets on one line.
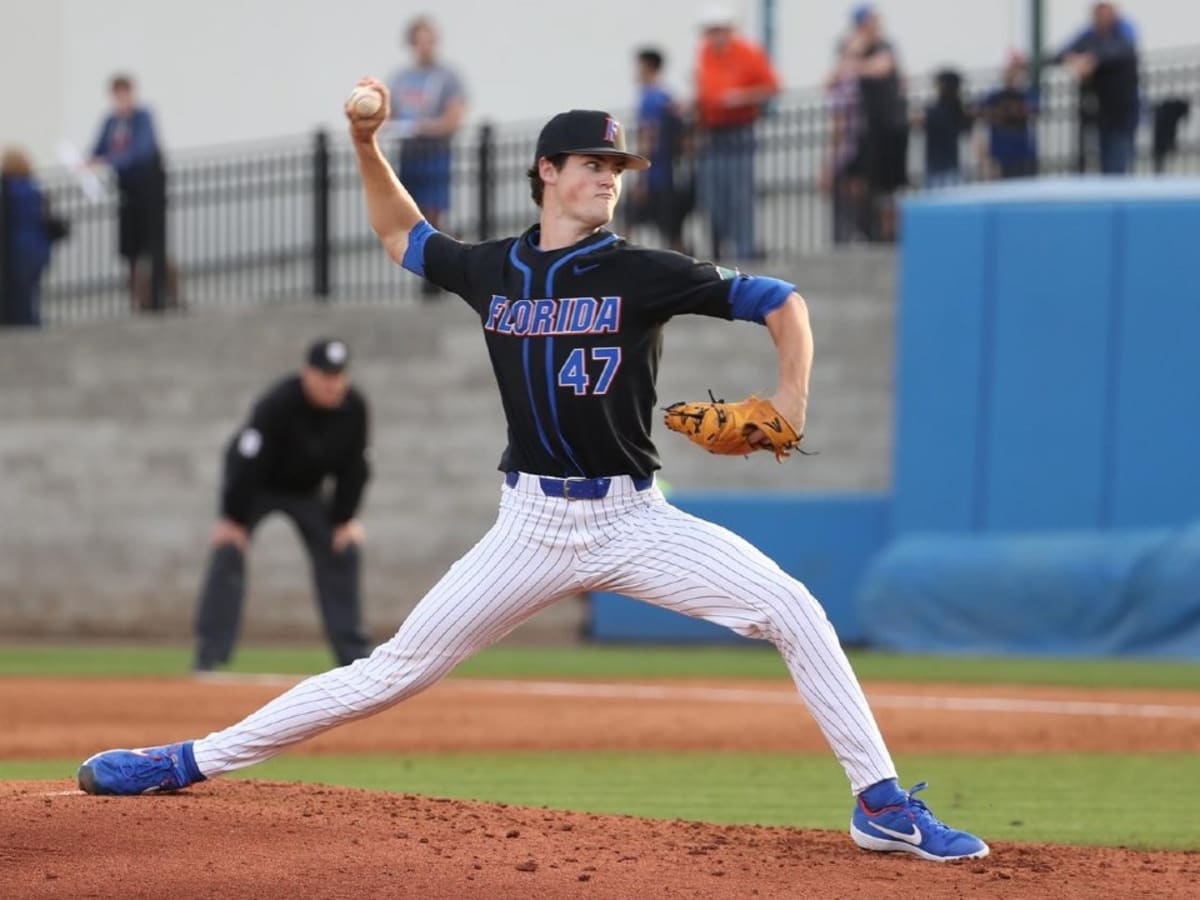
[(1010, 112), (1104, 59), (127, 142), (662, 194), (842, 170), (734, 79), (306, 430), (946, 121), (1168, 113), (428, 107), (28, 230), (884, 117)]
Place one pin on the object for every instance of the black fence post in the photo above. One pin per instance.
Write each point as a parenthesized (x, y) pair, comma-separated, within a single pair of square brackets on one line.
[(321, 245), (487, 180)]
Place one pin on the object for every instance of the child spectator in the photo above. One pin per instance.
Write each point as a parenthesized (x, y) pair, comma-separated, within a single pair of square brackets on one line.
[(1010, 111), (947, 119)]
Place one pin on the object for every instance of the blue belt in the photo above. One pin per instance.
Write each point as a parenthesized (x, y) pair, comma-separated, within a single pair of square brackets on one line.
[(577, 488)]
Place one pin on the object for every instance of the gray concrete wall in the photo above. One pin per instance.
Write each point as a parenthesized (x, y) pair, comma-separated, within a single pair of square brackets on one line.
[(111, 436)]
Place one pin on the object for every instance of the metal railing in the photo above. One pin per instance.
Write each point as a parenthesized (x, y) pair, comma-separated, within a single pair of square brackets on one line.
[(285, 220)]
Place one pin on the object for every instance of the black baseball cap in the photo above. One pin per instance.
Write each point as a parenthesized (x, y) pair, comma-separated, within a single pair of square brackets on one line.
[(588, 132), (329, 355)]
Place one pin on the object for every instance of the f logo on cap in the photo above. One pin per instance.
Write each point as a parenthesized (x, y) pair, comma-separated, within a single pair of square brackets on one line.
[(586, 132), (611, 126)]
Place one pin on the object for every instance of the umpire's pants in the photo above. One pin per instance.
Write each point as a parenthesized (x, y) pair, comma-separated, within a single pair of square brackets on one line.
[(336, 576)]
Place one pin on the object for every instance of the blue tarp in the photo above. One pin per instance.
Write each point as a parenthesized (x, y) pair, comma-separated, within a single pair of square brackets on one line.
[(1056, 594)]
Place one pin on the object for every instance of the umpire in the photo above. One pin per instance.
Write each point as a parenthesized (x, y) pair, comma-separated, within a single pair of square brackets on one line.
[(306, 431)]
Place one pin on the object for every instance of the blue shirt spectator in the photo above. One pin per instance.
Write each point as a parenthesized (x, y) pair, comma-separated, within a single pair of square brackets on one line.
[(428, 107), (1105, 53), (1011, 142), (127, 142), (27, 239), (1010, 112), (657, 116), (660, 196), (1104, 58)]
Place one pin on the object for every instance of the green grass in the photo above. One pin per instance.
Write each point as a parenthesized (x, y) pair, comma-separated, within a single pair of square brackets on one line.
[(1120, 673), (1132, 800), (621, 662)]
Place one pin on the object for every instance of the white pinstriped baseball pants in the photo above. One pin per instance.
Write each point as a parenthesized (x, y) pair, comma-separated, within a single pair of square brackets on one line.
[(542, 549)]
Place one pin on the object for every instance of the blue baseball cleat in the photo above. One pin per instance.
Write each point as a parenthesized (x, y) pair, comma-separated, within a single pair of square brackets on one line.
[(910, 827), (143, 771)]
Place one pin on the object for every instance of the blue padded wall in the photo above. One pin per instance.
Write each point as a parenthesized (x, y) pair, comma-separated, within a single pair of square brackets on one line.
[(940, 328), (825, 541), (1047, 419), (1045, 374), (1074, 437), (1156, 441)]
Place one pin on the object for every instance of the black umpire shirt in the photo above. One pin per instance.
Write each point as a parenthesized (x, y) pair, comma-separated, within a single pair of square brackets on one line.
[(291, 446), (575, 337)]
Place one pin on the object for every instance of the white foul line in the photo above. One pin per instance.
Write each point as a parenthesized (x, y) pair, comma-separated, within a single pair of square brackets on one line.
[(1095, 708)]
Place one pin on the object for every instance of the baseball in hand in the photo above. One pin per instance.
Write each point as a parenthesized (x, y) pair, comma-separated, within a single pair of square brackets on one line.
[(365, 101)]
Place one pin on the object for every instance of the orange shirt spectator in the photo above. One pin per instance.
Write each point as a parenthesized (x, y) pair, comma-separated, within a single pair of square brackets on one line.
[(734, 78)]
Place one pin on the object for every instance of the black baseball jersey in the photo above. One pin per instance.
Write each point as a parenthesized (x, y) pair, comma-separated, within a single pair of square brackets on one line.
[(575, 337), (291, 446)]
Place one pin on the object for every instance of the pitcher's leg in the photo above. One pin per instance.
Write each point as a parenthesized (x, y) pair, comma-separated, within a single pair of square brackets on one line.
[(686, 564), (507, 577)]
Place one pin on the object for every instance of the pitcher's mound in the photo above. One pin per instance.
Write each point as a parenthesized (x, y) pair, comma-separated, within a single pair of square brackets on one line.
[(271, 840)]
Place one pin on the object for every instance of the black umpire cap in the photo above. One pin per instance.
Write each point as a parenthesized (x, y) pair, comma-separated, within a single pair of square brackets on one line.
[(329, 355), (588, 132)]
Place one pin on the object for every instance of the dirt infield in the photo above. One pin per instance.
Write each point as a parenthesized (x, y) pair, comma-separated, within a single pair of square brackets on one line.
[(679, 714), (269, 840), (257, 839)]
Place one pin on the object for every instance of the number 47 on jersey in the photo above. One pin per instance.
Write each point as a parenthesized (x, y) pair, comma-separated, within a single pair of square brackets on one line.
[(574, 372)]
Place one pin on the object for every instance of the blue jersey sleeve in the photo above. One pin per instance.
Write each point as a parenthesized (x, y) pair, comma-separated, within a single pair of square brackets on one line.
[(439, 258), (414, 254), (752, 297)]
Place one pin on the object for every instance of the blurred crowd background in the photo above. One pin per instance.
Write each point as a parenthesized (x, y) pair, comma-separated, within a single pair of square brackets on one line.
[(748, 165)]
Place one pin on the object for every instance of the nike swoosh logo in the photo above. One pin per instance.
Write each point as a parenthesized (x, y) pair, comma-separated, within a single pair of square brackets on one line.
[(579, 270), (914, 838)]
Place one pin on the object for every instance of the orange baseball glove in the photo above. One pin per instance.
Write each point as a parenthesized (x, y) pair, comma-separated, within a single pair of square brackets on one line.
[(725, 428)]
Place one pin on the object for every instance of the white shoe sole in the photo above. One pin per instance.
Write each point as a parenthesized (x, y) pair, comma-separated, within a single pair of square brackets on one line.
[(883, 845)]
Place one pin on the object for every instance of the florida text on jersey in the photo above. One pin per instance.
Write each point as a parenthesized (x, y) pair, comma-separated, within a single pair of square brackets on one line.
[(575, 337)]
